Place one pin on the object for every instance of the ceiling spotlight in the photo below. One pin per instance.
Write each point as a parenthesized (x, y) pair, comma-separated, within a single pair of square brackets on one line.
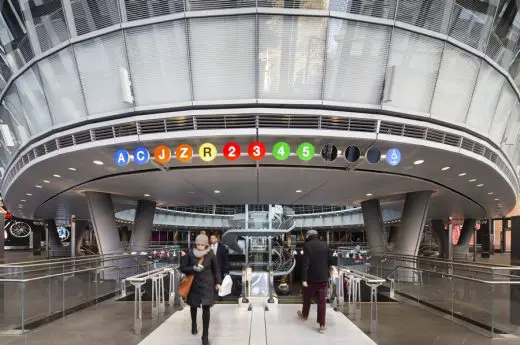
[(23, 200), (445, 168), (147, 195), (56, 175), (496, 199), (473, 180), (38, 186), (98, 162), (28, 194), (298, 191), (490, 193), (420, 161), (73, 169), (216, 191), (46, 181), (369, 194), (480, 185), (462, 174)]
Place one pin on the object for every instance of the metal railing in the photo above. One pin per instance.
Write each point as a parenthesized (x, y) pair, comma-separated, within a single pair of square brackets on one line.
[(42, 291), (480, 296), (156, 277), (353, 279)]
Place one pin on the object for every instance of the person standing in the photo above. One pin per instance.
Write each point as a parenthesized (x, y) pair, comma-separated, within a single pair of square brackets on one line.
[(206, 280), (222, 253), (317, 258)]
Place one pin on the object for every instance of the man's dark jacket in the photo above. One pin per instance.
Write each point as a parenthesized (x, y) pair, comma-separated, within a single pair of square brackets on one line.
[(317, 258), (222, 255)]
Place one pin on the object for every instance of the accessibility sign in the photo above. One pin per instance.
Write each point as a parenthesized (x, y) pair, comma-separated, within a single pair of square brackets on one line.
[(393, 156)]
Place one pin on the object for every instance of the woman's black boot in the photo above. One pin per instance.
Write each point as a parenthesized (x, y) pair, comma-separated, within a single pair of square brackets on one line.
[(205, 340), (193, 312)]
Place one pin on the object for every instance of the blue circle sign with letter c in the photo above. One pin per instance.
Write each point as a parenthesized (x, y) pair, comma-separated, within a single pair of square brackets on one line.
[(393, 156), (122, 157), (141, 155)]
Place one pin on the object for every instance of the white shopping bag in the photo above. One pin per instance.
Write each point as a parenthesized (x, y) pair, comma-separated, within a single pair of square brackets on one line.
[(225, 287)]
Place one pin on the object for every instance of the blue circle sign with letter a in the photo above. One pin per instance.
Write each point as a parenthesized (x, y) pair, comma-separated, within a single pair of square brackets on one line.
[(141, 155), (122, 157), (393, 156)]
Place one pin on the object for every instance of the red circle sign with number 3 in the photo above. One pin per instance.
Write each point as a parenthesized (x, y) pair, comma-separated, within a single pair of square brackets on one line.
[(256, 151), (232, 151)]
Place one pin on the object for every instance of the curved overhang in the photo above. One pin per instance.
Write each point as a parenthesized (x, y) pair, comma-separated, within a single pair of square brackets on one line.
[(467, 189)]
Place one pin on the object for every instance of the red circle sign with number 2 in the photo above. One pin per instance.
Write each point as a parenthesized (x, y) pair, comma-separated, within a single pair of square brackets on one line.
[(232, 151)]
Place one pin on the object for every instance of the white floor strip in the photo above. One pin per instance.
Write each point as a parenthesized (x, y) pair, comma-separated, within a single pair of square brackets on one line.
[(229, 325), (284, 327), (280, 325)]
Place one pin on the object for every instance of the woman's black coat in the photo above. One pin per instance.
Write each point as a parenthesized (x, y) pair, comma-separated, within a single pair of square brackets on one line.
[(203, 289)]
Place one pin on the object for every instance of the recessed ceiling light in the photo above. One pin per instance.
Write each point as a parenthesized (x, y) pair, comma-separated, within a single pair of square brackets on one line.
[(369, 194), (98, 162), (23, 200), (28, 194), (56, 175), (38, 186), (420, 161), (473, 180), (480, 185), (46, 181), (496, 199), (216, 191), (298, 191), (490, 193), (445, 168), (462, 174), (147, 195), (73, 169)]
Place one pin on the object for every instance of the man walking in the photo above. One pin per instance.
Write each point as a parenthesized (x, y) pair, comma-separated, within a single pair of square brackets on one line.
[(317, 259), (222, 253)]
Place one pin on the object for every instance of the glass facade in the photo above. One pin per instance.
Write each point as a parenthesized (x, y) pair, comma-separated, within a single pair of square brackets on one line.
[(385, 54)]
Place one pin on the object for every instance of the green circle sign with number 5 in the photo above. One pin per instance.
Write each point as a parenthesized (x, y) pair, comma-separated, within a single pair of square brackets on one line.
[(281, 150), (305, 151)]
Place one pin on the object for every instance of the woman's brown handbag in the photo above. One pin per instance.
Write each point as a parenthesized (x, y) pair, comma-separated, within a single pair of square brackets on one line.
[(185, 284)]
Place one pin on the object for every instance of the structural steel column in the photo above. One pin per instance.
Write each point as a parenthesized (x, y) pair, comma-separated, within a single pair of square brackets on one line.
[(373, 220), (104, 222), (438, 229), (461, 249), (408, 238), (144, 215), (53, 240), (515, 261), (484, 234)]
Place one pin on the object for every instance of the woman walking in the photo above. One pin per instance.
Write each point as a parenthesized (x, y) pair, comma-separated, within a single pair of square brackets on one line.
[(202, 262)]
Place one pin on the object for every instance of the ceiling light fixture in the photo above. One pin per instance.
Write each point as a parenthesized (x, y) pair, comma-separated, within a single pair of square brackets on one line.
[(23, 200), (496, 199), (38, 186), (98, 162), (56, 175), (462, 174), (369, 194), (28, 194), (490, 193), (73, 169), (420, 161), (473, 180), (298, 191), (480, 185), (216, 191), (445, 168), (147, 195), (46, 181)]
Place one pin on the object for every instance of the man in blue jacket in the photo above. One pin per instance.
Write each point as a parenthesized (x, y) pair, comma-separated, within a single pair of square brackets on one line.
[(317, 258)]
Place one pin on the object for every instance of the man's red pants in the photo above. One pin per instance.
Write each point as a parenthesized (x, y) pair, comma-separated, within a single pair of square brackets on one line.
[(319, 289)]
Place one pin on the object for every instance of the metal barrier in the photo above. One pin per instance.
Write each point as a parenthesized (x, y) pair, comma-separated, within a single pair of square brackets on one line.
[(353, 279), (158, 299)]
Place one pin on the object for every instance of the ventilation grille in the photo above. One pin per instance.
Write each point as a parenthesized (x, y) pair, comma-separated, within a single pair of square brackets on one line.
[(203, 122)]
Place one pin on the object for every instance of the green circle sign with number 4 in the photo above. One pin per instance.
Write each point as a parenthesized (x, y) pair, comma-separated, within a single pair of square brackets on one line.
[(281, 150), (305, 151)]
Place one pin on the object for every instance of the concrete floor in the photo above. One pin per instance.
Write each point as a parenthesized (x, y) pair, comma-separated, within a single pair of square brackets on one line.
[(110, 323)]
